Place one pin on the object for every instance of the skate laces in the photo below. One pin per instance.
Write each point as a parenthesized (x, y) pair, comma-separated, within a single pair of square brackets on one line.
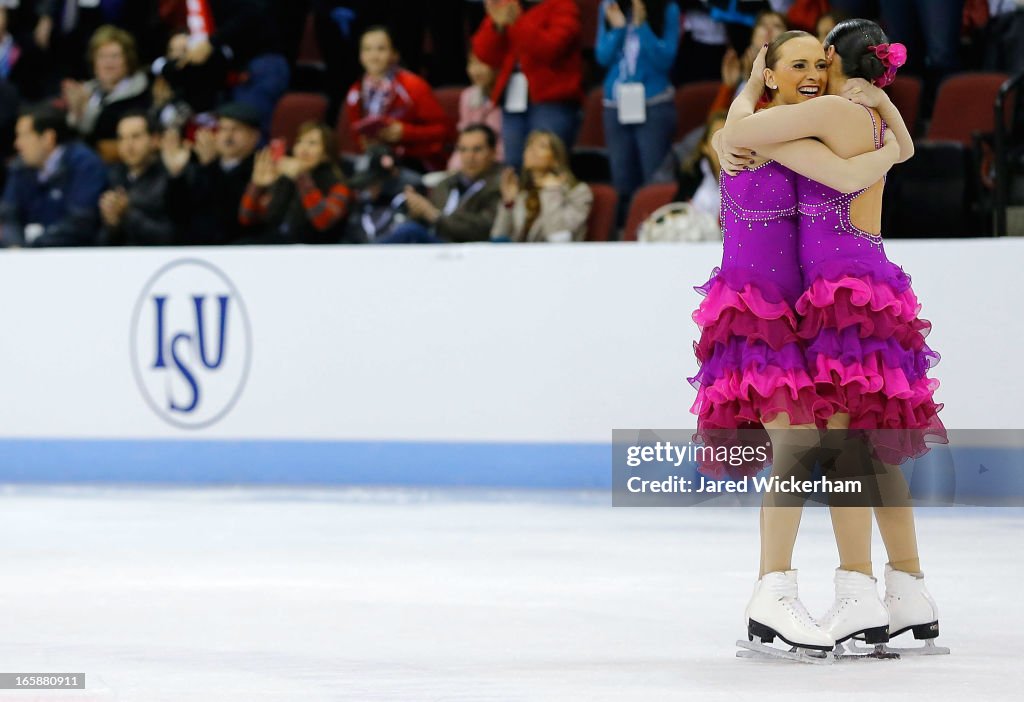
[(796, 609)]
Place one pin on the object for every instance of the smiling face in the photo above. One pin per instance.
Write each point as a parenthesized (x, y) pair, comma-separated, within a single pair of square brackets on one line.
[(109, 64), (310, 150), (800, 72)]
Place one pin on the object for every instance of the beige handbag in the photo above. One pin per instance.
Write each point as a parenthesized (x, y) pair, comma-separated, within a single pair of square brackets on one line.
[(679, 221)]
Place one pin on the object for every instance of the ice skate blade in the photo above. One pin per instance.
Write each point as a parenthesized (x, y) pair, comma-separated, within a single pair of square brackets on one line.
[(928, 649), (849, 651), (762, 651)]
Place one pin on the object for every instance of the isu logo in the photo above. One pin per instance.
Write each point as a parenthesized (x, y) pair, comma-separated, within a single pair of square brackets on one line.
[(191, 344)]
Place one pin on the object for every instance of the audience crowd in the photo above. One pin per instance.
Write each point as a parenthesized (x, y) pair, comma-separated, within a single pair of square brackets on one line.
[(149, 122)]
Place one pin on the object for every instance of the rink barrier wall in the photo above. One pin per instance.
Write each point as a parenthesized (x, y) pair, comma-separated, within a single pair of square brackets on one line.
[(489, 365)]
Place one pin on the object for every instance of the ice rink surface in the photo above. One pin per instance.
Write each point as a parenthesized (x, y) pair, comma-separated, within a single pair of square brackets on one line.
[(254, 595)]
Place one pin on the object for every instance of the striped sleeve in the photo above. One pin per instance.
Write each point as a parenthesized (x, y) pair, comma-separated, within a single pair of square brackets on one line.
[(323, 211), (253, 208)]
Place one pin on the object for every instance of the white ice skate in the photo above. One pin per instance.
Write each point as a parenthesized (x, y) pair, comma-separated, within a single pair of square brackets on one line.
[(857, 612), (911, 608), (775, 610)]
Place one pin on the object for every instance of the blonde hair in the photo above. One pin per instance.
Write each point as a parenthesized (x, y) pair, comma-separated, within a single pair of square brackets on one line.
[(109, 34)]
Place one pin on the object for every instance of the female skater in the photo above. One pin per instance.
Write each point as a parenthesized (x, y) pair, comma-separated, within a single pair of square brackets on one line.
[(863, 341), (754, 377)]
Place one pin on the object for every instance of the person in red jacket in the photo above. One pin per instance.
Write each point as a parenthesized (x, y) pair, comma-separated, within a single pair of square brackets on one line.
[(536, 53), (396, 107)]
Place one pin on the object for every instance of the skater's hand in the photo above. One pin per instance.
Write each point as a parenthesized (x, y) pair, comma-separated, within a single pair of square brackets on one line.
[(864, 93), (757, 69), (733, 159)]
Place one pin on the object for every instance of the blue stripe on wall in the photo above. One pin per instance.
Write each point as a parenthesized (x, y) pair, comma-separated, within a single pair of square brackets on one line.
[(955, 473), (215, 462)]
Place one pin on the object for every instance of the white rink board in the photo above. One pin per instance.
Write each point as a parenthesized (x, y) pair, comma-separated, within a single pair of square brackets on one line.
[(454, 343)]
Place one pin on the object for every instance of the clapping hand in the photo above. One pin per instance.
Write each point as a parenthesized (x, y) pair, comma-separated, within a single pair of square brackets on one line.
[(613, 13), (639, 12), (509, 185), (174, 153), (264, 170), (420, 207), (113, 205)]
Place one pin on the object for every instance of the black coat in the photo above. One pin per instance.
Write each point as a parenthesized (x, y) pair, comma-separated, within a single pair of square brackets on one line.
[(153, 215)]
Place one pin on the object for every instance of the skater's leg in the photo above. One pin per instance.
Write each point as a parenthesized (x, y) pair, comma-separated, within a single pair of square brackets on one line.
[(852, 527), (851, 524), (781, 514), (896, 523)]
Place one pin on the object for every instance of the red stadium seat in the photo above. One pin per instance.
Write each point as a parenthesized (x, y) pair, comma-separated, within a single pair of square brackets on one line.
[(591, 134), (646, 200), (449, 98), (292, 110), (601, 221), (693, 102), (964, 105), (905, 93), (347, 143)]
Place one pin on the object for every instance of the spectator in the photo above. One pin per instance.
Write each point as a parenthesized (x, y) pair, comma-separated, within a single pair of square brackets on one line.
[(380, 200), (931, 31), (639, 49), (298, 200), (241, 35), (767, 27), (739, 17), (697, 176), (396, 107), (462, 207), (10, 51), (825, 24), (702, 47), (95, 107), (198, 85), (549, 205), (53, 186), (537, 55), (136, 210), (476, 107), (225, 163)]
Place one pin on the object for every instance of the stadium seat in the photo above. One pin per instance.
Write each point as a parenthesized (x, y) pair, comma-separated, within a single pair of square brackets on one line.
[(965, 105), (591, 134), (601, 221), (932, 194), (646, 200), (905, 93), (449, 97), (347, 143), (294, 109), (693, 102)]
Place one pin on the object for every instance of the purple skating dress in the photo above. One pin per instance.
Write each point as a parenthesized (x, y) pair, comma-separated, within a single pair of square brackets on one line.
[(752, 364), (865, 344)]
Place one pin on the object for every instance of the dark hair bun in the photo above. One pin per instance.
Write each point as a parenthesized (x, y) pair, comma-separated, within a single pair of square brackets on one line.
[(870, 67)]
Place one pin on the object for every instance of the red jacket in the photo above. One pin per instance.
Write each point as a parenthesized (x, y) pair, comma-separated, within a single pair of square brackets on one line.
[(545, 42), (427, 130)]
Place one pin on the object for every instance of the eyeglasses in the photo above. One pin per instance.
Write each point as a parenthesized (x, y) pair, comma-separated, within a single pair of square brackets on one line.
[(472, 149)]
